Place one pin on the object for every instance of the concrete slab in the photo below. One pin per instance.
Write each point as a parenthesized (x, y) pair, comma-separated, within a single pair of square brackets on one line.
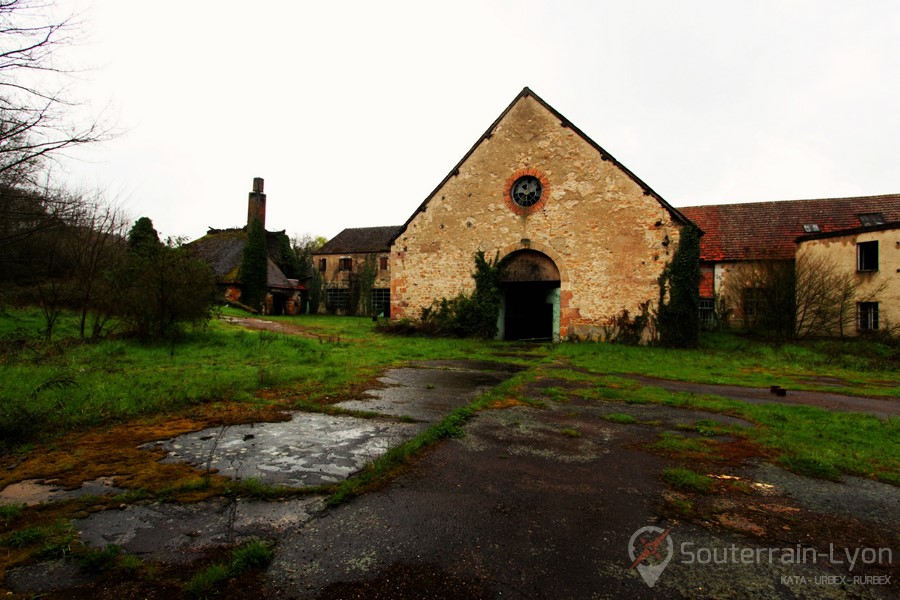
[(177, 532)]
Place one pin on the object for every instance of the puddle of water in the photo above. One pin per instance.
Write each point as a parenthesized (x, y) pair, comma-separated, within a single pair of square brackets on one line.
[(425, 394), (313, 449), (310, 449), (36, 491)]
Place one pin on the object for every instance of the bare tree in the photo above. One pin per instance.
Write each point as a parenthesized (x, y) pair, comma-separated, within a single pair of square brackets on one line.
[(810, 297), (95, 247), (824, 296), (36, 116), (762, 295)]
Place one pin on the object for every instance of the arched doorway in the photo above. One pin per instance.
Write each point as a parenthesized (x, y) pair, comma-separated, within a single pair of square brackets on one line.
[(530, 286)]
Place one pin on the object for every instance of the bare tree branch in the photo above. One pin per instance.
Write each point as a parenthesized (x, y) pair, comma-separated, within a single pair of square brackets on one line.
[(37, 121)]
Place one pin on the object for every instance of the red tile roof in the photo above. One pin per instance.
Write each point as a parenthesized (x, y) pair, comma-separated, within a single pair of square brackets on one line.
[(769, 230)]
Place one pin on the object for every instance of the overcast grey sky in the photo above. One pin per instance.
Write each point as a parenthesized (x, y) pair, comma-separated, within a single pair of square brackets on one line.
[(354, 111)]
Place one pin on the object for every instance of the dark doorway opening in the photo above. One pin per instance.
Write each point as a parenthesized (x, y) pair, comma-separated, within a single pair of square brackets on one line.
[(529, 310), (531, 293), (278, 302)]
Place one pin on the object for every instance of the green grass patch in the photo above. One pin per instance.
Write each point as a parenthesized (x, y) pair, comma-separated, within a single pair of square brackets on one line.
[(24, 537), (687, 480), (555, 394), (207, 581), (710, 427), (569, 432), (255, 554), (251, 487), (49, 389), (672, 443), (53, 388), (97, 560), (864, 366), (811, 466), (10, 512), (805, 439), (49, 541), (619, 418)]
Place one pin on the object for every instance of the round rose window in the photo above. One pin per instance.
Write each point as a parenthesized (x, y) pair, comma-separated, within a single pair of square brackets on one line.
[(526, 191)]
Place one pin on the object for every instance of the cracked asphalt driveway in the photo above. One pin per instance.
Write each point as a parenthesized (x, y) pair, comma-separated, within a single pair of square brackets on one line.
[(542, 503)]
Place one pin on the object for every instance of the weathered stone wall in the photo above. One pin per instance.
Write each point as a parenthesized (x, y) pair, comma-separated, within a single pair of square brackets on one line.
[(608, 238), (333, 276), (882, 286)]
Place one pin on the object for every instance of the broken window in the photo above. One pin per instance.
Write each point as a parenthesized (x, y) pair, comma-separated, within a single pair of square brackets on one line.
[(381, 302), (868, 316), (867, 256), (345, 264), (383, 263), (323, 264), (337, 298), (871, 219)]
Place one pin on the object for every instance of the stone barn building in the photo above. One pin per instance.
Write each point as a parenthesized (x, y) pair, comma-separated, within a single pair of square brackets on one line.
[(583, 238)]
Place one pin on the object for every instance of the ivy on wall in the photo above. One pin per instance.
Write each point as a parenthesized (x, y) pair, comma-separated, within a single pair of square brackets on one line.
[(254, 267), (678, 314)]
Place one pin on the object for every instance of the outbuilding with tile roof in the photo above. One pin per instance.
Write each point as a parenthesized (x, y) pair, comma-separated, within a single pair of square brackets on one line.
[(223, 250), (739, 238), (353, 270)]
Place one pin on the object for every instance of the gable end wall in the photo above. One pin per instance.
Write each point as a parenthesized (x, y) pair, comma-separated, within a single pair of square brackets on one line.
[(608, 238)]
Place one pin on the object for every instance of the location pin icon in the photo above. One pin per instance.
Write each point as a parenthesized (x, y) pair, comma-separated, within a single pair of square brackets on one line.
[(651, 550)]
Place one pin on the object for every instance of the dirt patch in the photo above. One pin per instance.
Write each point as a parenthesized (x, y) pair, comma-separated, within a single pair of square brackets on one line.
[(33, 491), (279, 327)]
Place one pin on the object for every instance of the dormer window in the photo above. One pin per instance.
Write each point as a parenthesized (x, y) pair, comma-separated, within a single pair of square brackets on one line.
[(811, 228), (871, 219)]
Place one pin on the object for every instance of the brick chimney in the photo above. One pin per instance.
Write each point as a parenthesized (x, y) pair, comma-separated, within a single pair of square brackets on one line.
[(256, 205)]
